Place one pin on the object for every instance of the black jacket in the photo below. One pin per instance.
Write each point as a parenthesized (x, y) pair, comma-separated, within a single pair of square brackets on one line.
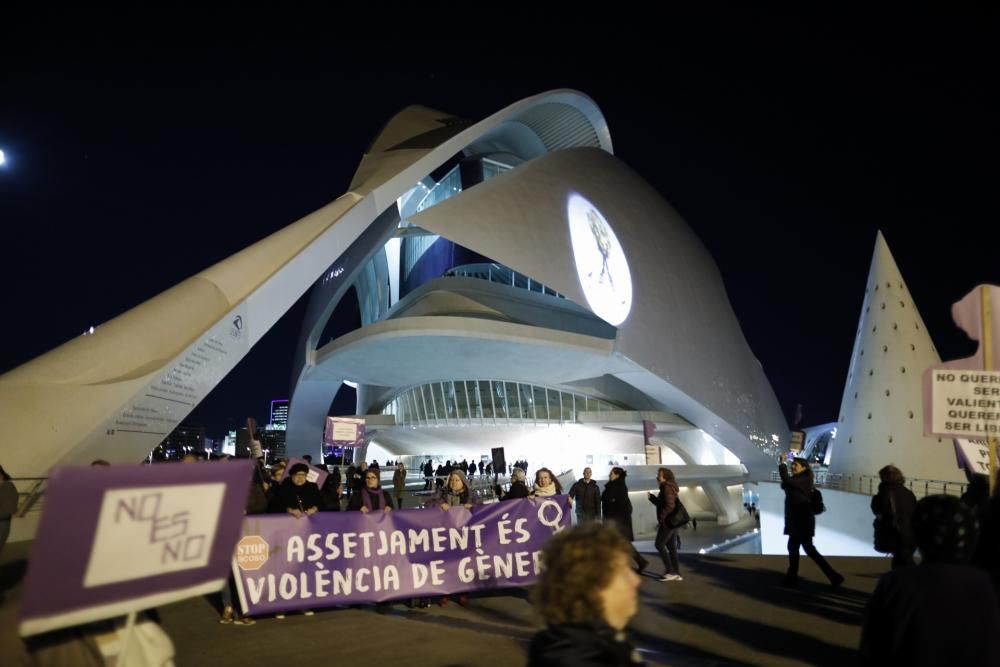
[(617, 507), (581, 646), (587, 496), (932, 614), (517, 490), (358, 501), (893, 528), (799, 518), (300, 497)]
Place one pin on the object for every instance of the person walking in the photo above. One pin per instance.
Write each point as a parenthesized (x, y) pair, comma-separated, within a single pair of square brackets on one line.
[(800, 521), (617, 511), (666, 534), (399, 484), (893, 507)]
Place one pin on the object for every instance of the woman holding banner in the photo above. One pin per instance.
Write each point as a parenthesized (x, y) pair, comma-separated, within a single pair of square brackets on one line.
[(546, 484), (456, 492), (372, 497)]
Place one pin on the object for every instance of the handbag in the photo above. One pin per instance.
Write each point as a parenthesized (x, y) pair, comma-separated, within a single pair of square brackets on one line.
[(679, 516)]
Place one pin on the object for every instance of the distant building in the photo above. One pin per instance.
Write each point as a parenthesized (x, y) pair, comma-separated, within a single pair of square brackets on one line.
[(279, 414), (186, 438)]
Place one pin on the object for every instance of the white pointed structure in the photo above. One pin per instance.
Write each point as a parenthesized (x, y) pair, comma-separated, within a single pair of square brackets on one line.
[(880, 420)]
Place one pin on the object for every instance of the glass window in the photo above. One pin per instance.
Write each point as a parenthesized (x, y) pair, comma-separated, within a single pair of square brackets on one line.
[(461, 400), (486, 399), (541, 404), (555, 412)]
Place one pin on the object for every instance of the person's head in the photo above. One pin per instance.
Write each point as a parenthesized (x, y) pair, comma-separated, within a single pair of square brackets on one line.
[(400, 466), (189, 458), (517, 475), (544, 478), (364, 465), (299, 474), (307, 458), (617, 473), (800, 465), (587, 474), (457, 482), (665, 475), (890, 474), (946, 531), (588, 578), (372, 480)]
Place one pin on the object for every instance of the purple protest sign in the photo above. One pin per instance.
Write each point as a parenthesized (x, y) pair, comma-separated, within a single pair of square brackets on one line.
[(317, 475), (113, 540), (344, 431), (337, 558)]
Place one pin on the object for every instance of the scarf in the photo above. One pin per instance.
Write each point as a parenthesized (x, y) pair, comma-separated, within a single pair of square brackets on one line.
[(543, 491), (366, 497)]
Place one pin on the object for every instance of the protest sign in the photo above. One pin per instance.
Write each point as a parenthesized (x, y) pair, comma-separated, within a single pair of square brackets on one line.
[(339, 558), (115, 540), (315, 475)]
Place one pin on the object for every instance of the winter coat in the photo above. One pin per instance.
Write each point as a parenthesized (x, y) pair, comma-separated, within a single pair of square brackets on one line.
[(799, 518), (666, 501), (517, 490), (381, 500), (932, 614), (300, 497), (399, 482), (893, 529), (587, 496), (617, 508), (571, 645)]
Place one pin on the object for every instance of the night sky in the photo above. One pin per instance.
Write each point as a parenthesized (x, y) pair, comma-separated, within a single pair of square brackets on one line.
[(144, 146)]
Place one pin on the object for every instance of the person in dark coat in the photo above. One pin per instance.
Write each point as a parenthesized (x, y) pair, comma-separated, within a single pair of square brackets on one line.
[(800, 522), (371, 498), (586, 497), (518, 486), (666, 535), (298, 495), (587, 594), (987, 513), (941, 612), (617, 510), (893, 507)]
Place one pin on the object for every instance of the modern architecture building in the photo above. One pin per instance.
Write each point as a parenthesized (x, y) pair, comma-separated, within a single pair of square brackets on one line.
[(517, 285)]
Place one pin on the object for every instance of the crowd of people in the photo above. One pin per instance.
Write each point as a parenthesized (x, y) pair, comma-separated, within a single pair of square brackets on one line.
[(957, 539)]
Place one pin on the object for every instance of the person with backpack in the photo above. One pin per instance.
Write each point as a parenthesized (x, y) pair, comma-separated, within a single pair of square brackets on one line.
[(802, 503), (893, 507)]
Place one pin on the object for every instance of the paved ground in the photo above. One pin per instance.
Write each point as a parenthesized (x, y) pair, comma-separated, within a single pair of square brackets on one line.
[(727, 611)]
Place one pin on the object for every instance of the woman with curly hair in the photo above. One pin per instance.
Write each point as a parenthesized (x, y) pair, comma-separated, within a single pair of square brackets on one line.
[(587, 594)]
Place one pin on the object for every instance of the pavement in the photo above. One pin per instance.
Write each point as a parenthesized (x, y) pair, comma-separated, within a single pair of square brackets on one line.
[(728, 610)]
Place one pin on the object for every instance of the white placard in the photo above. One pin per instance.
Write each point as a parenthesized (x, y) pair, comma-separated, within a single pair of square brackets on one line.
[(153, 530), (345, 431), (977, 453), (965, 403)]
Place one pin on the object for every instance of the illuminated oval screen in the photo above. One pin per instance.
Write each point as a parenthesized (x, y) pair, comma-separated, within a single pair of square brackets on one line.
[(600, 261)]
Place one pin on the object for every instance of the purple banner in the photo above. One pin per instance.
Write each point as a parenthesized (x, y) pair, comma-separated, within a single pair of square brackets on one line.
[(337, 558), (118, 539)]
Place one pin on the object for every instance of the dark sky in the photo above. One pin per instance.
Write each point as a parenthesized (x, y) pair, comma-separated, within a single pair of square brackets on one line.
[(144, 146)]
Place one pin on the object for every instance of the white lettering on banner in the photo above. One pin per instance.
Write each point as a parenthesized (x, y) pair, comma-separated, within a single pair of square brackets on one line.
[(304, 585), (556, 523), (150, 531), (310, 549), (963, 403)]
